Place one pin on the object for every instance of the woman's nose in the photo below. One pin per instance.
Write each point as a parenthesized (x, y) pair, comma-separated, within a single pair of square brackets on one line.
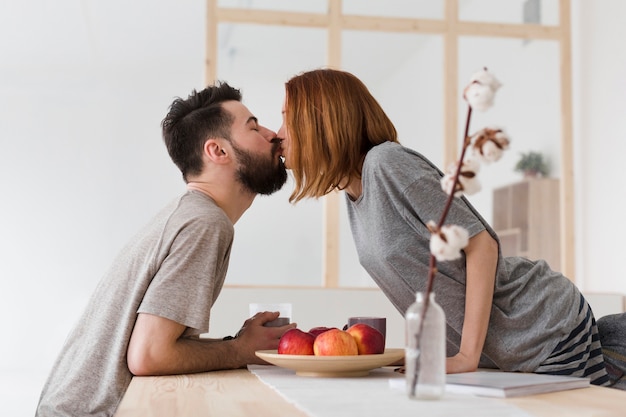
[(281, 132)]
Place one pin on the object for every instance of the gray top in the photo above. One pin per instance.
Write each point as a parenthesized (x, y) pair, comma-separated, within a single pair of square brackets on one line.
[(533, 306), (174, 268)]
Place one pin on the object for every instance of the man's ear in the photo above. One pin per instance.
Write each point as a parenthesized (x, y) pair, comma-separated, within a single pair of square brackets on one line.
[(216, 152)]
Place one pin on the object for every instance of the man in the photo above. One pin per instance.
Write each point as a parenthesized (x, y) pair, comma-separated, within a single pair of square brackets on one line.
[(150, 307)]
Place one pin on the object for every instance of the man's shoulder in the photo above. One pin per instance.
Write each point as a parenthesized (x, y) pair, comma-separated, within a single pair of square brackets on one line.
[(197, 211), (199, 204)]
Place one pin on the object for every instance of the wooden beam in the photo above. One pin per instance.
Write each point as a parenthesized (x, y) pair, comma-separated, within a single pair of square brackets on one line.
[(333, 44), (273, 17), (330, 241), (387, 24), (523, 31), (392, 24), (210, 52), (450, 87)]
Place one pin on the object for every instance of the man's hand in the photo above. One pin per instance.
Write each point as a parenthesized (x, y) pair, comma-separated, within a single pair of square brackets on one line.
[(254, 336), (157, 346)]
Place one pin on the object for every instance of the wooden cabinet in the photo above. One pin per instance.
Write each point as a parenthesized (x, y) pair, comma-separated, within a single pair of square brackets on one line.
[(526, 218)]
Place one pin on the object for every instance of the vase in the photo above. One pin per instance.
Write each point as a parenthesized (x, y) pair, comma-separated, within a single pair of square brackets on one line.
[(425, 353)]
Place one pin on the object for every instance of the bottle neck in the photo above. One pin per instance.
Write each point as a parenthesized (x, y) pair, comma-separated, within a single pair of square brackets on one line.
[(420, 296)]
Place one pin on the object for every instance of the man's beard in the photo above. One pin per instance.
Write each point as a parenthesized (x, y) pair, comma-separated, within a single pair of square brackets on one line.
[(258, 174)]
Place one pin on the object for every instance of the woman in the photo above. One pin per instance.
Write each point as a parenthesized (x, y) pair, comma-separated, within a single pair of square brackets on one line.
[(506, 313)]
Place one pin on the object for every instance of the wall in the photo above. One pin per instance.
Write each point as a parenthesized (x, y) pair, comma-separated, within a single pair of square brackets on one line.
[(311, 307), (83, 88), (82, 165), (600, 129)]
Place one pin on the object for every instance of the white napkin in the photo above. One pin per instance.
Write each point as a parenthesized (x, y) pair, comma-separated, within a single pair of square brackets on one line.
[(372, 396)]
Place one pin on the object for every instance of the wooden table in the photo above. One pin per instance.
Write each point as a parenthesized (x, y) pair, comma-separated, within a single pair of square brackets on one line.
[(240, 393), (218, 393)]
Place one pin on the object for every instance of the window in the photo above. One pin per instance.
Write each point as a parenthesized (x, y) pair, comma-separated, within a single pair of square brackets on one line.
[(415, 56)]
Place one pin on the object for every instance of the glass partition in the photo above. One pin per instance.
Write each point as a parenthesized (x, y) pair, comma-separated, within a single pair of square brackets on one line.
[(527, 107), (312, 6), (544, 12), (405, 74), (416, 9), (275, 243)]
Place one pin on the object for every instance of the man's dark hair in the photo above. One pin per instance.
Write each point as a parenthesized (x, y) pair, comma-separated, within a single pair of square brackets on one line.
[(190, 122)]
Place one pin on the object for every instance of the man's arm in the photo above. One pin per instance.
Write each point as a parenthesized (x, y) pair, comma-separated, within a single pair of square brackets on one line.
[(481, 260), (157, 346)]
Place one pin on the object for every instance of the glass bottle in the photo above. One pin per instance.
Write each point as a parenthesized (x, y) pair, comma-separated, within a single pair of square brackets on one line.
[(425, 354)]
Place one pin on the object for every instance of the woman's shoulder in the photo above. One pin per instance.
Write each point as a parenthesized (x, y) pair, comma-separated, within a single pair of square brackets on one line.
[(386, 150), (394, 155)]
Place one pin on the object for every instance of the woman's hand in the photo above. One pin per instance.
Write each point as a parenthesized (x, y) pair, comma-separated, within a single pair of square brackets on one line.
[(481, 259), (460, 363)]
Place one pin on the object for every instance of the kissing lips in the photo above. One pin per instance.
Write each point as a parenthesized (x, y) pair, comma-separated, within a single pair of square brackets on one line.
[(278, 149)]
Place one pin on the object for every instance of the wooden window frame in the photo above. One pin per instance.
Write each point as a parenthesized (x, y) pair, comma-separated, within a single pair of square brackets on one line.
[(451, 28)]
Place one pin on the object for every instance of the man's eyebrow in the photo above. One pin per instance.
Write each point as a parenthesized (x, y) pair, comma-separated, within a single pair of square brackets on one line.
[(252, 119)]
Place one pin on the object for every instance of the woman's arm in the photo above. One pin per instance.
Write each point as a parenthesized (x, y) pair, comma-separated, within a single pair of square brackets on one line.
[(481, 256)]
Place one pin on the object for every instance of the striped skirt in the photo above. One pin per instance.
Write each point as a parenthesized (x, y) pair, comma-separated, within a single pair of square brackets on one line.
[(580, 353)]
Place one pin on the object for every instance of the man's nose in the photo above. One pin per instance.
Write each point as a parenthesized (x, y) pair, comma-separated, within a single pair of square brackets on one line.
[(267, 133)]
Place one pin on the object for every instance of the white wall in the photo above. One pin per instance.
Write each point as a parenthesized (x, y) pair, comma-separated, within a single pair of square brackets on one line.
[(83, 88), (600, 133), (311, 307)]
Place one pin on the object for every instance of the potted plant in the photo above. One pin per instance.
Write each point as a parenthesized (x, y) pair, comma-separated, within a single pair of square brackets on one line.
[(532, 165)]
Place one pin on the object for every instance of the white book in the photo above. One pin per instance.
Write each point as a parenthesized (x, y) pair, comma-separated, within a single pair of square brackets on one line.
[(510, 384)]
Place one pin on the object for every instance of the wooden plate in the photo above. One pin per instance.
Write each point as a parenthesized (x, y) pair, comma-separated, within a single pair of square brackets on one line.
[(331, 366)]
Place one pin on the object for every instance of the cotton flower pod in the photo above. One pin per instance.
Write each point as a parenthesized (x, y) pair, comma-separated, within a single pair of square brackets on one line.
[(468, 180), (468, 177), (481, 90), (447, 182), (479, 97), (446, 245), (489, 144), (484, 77)]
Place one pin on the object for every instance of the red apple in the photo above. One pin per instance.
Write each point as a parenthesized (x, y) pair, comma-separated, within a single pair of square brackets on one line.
[(335, 342), (368, 339), (316, 331), (296, 342)]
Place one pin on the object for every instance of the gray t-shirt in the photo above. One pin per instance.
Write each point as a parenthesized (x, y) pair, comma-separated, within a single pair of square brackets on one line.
[(174, 268), (533, 306)]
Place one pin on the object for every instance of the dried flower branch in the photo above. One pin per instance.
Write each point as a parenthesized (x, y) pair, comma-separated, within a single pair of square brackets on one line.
[(461, 178), (447, 241)]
